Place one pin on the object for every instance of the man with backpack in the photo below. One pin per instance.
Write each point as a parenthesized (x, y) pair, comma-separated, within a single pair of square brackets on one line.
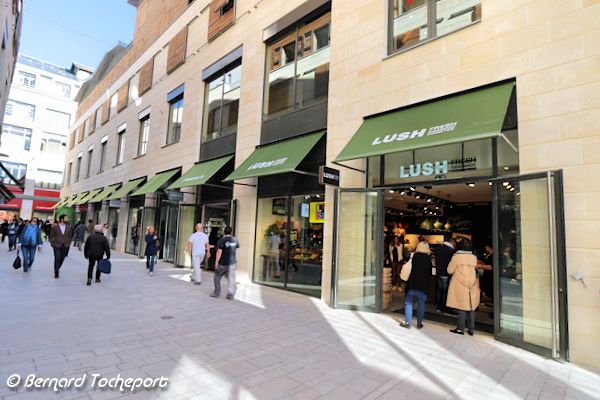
[(30, 240)]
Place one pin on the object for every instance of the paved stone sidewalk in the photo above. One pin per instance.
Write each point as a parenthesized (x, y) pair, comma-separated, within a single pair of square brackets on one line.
[(267, 344)]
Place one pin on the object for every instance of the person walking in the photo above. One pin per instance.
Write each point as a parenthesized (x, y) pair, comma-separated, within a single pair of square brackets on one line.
[(151, 239), (30, 240), (90, 228), (60, 240), (12, 230), (4, 229), (443, 255), (78, 234), (96, 246), (463, 291), (198, 243), (417, 285), (226, 263)]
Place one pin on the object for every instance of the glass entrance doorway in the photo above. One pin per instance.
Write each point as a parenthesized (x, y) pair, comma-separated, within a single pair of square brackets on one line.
[(215, 217), (167, 228)]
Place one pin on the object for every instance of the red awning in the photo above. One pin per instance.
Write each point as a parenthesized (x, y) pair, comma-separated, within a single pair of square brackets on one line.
[(45, 205)]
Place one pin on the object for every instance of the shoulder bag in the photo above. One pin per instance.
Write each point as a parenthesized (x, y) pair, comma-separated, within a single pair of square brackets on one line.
[(17, 262), (406, 269)]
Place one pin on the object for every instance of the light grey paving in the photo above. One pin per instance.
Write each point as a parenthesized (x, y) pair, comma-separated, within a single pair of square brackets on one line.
[(267, 344)]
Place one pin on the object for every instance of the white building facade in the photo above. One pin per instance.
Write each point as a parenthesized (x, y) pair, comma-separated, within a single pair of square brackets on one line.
[(35, 132)]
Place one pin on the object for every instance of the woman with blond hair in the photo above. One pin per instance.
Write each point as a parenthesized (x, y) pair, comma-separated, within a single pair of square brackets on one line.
[(463, 291), (417, 285), (152, 243)]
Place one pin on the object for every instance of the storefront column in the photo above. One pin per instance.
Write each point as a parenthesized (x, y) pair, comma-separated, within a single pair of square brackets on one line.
[(123, 218), (90, 213), (150, 200), (189, 195), (103, 218), (328, 255), (245, 230)]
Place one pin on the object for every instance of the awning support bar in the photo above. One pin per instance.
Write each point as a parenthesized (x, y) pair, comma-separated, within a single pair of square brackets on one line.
[(349, 167)]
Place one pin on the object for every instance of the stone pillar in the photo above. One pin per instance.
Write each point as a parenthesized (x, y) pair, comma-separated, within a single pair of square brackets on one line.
[(90, 213), (123, 219), (103, 218), (27, 204), (189, 195)]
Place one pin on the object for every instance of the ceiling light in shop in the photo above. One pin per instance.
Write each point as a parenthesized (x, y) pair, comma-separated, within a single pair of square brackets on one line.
[(490, 183), (512, 189), (418, 196), (391, 191), (402, 193), (504, 183), (506, 168), (429, 200), (470, 184), (412, 188)]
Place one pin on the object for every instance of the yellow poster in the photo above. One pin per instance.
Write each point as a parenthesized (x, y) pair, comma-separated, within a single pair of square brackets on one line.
[(317, 212)]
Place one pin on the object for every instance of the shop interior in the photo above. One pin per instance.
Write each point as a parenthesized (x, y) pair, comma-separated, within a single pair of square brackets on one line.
[(437, 213)]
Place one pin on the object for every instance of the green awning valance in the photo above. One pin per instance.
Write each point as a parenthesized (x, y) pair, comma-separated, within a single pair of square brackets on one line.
[(276, 158), (75, 200), (68, 200), (59, 203), (200, 173), (103, 195), (470, 116), (156, 182), (126, 189)]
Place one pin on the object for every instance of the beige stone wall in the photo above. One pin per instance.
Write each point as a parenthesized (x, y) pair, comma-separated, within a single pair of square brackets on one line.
[(551, 47)]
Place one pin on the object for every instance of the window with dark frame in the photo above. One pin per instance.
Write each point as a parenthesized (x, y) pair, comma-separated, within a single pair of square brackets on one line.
[(144, 132), (175, 119), (89, 163), (120, 147), (222, 104), (102, 156), (416, 21), (298, 66), (78, 168)]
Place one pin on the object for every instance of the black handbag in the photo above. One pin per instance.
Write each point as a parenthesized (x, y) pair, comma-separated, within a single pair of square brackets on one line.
[(17, 263), (104, 266)]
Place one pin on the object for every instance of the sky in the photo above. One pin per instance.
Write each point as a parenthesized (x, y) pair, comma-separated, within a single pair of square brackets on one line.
[(81, 31)]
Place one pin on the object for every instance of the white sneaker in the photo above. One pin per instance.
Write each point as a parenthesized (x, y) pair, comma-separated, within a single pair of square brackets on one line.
[(151, 273)]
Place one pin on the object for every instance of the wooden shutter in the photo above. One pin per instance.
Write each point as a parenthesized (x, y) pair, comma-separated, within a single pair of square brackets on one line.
[(105, 112), (72, 140), (92, 123), (177, 50), (145, 79), (217, 21), (123, 97), (80, 134)]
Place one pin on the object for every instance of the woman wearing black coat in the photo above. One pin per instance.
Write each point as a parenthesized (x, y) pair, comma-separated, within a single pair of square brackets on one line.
[(417, 284), (151, 239)]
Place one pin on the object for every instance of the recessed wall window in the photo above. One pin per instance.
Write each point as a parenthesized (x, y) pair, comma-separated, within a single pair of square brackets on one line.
[(144, 132), (102, 155), (16, 137), (78, 167), (175, 118), (26, 79), (88, 170), (16, 170), (414, 21), (20, 110), (298, 66), (222, 104), (69, 173), (120, 146), (57, 121), (63, 89)]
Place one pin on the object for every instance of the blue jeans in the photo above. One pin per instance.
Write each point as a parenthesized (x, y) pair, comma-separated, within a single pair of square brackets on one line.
[(150, 260), (28, 256), (408, 304)]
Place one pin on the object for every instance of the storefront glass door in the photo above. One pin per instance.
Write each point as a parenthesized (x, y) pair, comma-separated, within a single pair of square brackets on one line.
[(134, 230), (113, 226), (168, 231), (187, 222), (215, 217), (530, 279), (359, 259), (148, 219)]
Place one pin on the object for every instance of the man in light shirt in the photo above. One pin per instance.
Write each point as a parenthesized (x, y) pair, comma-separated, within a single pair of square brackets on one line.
[(198, 243)]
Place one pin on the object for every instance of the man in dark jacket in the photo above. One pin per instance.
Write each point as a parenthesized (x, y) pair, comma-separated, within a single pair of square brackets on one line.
[(443, 255), (95, 247), (60, 240)]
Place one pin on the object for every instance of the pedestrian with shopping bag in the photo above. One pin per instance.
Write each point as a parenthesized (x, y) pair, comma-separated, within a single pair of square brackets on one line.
[(96, 246)]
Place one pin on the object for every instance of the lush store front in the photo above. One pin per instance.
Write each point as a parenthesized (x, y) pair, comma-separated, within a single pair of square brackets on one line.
[(290, 212), (449, 168)]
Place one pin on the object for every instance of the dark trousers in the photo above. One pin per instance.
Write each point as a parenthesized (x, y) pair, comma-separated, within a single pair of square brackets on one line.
[(442, 292), (150, 260), (12, 242), (92, 262), (462, 315), (60, 253)]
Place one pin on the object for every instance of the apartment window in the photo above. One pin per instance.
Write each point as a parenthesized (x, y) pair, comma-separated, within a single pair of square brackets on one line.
[(175, 118), (298, 66), (415, 21), (26, 79), (102, 154), (144, 132), (48, 179), (53, 144), (78, 167), (63, 89), (16, 137), (120, 146), (17, 170), (88, 169), (20, 110), (222, 104), (57, 121), (69, 173)]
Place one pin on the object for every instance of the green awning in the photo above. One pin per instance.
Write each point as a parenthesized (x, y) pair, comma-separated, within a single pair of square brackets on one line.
[(126, 189), (156, 182), (200, 173), (81, 199), (276, 158), (107, 191), (74, 200), (59, 203), (86, 199), (470, 116), (68, 200)]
